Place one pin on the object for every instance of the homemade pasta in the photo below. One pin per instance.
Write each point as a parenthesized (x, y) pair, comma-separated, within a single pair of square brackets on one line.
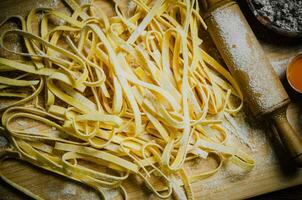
[(133, 94)]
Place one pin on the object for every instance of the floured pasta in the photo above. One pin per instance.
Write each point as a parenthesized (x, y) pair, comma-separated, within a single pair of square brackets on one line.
[(134, 93)]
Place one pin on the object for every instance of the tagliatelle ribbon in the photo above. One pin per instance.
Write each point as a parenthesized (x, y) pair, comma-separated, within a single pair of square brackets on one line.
[(131, 94)]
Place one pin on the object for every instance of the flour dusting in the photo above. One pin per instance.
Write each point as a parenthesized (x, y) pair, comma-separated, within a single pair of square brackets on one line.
[(112, 194), (238, 130), (130, 7), (3, 141), (85, 1), (69, 190), (21, 122), (54, 3), (33, 130), (280, 65)]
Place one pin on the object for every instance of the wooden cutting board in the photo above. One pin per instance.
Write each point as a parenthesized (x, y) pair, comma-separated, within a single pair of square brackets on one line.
[(272, 171)]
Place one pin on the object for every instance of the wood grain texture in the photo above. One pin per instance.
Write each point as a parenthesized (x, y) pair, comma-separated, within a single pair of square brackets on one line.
[(272, 171)]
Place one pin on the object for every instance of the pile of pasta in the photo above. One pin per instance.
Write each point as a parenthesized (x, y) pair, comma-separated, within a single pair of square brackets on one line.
[(133, 94)]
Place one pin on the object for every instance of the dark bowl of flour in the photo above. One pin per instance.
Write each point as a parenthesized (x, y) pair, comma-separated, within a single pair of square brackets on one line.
[(281, 16)]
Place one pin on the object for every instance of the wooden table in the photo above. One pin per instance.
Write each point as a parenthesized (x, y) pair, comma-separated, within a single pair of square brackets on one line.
[(272, 171)]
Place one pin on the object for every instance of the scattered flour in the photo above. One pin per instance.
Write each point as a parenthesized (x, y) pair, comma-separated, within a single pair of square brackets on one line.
[(40, 5), (280, 65), (21, 122), (33, 130), (254, 137), (16, 47), (54, 3), (85, 1), (112, 194), (131, 7), (237, 129), (69, 190), (3, 141)]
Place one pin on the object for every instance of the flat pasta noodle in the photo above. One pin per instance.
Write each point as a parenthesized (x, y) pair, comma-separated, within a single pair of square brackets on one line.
[(133, 94)]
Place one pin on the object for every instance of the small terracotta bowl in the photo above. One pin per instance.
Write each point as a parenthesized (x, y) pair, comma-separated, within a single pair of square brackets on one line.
[(295, 63)]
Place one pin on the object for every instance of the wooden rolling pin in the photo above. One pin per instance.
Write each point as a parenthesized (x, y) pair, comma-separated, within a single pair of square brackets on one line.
[(247, 62)]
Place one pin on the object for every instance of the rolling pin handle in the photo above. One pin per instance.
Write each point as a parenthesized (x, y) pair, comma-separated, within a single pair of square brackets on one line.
[(290, 139)]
